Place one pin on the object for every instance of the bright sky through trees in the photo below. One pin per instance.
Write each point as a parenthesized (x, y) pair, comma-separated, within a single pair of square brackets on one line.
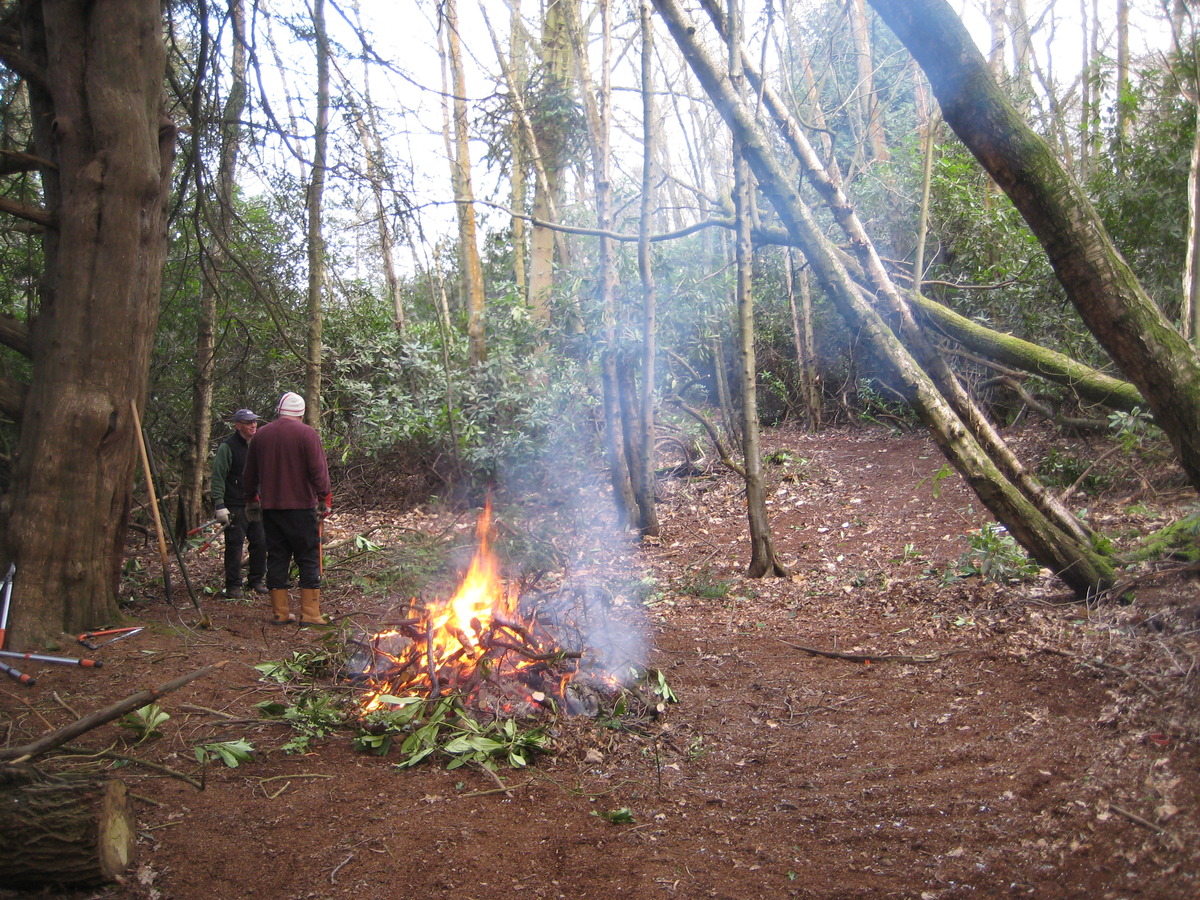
[(406, 89)]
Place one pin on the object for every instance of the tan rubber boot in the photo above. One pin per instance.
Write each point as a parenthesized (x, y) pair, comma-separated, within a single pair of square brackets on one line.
[(279, 606), (310, 607)]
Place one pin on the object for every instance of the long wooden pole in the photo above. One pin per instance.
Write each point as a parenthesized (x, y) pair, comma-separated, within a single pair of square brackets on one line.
[(158, 528)]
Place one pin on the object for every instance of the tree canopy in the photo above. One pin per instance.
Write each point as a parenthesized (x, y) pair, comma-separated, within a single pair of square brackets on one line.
[(476, 241)]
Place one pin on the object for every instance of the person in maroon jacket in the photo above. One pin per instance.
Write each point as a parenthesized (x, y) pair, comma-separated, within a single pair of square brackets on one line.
[(286, 481)]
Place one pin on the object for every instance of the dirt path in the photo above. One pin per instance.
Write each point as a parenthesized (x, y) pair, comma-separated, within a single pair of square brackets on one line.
[(998, 741)]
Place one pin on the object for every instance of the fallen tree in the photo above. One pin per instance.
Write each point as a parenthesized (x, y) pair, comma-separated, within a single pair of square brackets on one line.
[(1090, 384)]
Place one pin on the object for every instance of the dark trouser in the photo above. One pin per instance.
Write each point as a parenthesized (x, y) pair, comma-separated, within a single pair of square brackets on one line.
[(239, 529), (292, 534)]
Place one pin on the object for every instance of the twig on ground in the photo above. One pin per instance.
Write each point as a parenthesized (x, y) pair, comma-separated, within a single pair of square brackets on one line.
[(215, 712), (1146, 823), (338, 868), (64, 704), (868, 657), (496, 778), (121, 757)]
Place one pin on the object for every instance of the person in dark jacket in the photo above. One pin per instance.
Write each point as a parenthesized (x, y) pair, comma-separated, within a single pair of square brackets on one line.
[(229, 503), (287, 482)]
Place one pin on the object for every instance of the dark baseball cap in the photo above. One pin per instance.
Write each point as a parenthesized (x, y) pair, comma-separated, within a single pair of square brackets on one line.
[(244, 415)]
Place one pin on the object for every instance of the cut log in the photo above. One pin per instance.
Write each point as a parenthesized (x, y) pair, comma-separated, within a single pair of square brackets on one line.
[(63, 831)]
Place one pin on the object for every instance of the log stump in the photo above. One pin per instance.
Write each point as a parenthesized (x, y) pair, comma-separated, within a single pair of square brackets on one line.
[(63, 830)]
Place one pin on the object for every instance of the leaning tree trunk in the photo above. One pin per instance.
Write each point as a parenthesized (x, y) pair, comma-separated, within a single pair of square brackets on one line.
[(96, 98), (1151, 352), (1088, 383), (889, 297)]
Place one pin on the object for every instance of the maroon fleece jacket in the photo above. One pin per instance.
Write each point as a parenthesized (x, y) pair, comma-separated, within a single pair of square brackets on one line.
[(285, 466)]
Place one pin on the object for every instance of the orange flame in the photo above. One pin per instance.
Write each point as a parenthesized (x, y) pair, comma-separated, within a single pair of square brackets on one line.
[(458, 624), (457, 634)]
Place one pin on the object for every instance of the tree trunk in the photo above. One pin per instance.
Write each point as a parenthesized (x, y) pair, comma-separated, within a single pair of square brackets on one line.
[(598, 107), (900, 314), (868, 101), (550, 150), (716, 349), (316, 240), (1123, 85), (470, 266), (518, 185), (379, 179), (1086, 382), (802, 340), (1184, 36), (64, 831), (998, 24), (762, 551), (1022, 42), (643, 476), (98, 123), (1153, 355), (214, 256)]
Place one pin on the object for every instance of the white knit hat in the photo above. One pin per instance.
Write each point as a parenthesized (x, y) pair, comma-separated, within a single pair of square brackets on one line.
[(290, 404)]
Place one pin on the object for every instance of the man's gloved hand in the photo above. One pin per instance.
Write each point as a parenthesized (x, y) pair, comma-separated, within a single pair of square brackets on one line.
[(253, 510), (222, 515), (325, 507)]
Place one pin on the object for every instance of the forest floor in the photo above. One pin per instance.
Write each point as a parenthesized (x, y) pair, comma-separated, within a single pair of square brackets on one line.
[(973, 739)]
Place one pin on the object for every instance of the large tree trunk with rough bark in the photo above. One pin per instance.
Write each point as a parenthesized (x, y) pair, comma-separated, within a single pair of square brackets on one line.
[(95, 74), (1149, 350)]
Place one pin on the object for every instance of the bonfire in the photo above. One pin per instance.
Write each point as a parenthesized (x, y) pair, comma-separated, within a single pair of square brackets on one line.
[(497, 649)]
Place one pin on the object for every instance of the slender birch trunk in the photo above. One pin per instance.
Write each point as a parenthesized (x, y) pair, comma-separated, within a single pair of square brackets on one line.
[(643, 481), (214, 255), (598, 108), (470, 266), (316, 240)]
